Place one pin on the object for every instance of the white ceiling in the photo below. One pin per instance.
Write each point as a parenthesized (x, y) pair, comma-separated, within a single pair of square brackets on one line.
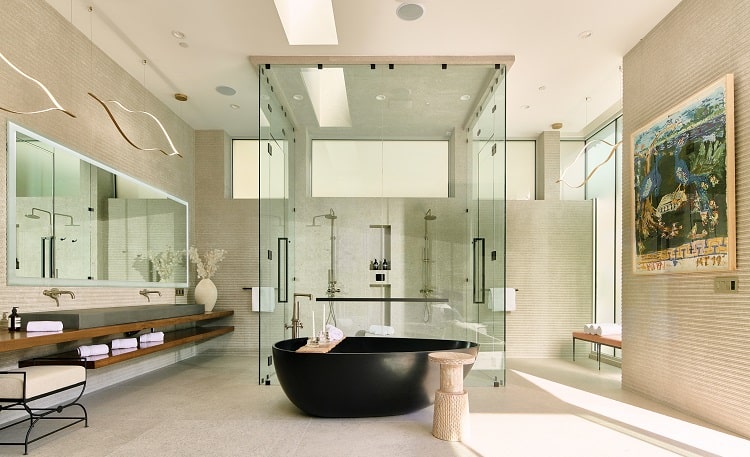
[(559, 76)]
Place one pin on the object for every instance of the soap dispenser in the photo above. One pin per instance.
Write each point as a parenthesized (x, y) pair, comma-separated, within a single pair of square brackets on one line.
[(14, 320), (4, 320)]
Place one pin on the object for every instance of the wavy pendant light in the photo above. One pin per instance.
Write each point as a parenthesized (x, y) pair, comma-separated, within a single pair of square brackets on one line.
[(146, 113), (582, 152), (57, 106)]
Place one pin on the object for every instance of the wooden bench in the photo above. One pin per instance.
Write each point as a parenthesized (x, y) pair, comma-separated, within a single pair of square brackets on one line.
[(614, 341), (20, 388), (23, 340)]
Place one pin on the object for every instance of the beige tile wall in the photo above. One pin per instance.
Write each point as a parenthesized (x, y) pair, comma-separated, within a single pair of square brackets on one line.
[(45, 45), (683, 344)]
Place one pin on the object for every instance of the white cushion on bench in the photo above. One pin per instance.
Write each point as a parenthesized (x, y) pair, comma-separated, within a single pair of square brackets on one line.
[(40, 380)]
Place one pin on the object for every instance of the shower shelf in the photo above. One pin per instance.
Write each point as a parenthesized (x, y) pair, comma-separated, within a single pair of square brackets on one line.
[(385, 299)]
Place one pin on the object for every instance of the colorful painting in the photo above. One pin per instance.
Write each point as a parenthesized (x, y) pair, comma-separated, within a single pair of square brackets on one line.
[(683, 169)]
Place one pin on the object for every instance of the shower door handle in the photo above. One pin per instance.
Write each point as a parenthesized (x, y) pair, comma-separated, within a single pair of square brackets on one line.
[(478, 273), (282, 276)]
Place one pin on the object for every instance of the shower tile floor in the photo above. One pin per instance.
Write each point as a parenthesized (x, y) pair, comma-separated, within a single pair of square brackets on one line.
[(213, 406)]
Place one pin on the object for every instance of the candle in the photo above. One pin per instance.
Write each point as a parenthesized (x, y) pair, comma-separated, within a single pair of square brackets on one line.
[(313, 321)]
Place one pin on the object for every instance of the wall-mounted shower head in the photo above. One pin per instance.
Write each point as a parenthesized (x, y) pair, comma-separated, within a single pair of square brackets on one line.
[(331, 215), (428, 216), (33, 214)]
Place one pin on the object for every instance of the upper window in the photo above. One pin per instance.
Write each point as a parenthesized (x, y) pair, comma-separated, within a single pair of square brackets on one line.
[(355, 168)]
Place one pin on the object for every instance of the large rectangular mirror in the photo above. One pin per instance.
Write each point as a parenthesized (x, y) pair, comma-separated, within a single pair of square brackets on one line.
[(73, 221)]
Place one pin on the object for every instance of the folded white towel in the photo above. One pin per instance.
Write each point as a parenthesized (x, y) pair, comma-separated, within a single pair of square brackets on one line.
[(334, 334), (589, 328), (381, 330), (123, 351), (151, 337), (151, 344), (91, 358), (608, 329), (44, 326), (124, 343), (96, 349)]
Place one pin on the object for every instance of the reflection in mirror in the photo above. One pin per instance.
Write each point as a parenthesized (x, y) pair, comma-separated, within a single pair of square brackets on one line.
[(78, 222)]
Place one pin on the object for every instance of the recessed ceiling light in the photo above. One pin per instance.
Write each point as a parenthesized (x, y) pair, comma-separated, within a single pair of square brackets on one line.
[(525, 106), (585, 34), (410, 11), (177, 34), (225, 90), (542, 88), (298, 97), (180, 97), (380, 97), (233, 106), (557, 126), (183, 44), (465, 97)]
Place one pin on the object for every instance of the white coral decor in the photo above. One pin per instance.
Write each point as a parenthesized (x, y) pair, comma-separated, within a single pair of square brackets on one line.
[(207, 266), (165, 262)]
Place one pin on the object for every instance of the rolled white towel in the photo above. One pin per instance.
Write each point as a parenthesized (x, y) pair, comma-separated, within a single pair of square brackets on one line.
[(96, 349), (608, 329), (123, 351), (151, 337), (44, 326), (334, 333), (124, 343), (589, 328)]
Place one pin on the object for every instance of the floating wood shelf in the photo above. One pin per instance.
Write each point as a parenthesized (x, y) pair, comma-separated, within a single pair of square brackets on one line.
[(13, 341)]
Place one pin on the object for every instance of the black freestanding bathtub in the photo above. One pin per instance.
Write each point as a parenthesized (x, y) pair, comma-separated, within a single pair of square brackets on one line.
[(363, 376)]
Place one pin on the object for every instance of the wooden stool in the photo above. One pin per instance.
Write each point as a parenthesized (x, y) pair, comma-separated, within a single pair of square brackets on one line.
[(450, 421)]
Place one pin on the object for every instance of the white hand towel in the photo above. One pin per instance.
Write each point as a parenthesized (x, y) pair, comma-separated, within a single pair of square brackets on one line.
[(264, 299), (334, 334), (44, 326), (589, 328), (123, 351), (151, 337), (124, 343), (96, 349)]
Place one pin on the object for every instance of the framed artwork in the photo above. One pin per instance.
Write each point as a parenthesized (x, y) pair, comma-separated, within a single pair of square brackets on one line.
[(683, 170)]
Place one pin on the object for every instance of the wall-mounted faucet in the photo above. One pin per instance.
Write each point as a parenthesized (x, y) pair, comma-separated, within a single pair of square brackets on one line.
[(296, 324), (55, 293), (145, 293)]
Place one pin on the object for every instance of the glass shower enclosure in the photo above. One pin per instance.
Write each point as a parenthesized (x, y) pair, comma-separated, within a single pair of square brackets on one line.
[(382, 188)]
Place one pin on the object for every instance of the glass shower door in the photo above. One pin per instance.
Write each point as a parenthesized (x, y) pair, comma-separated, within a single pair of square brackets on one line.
[(274, 294), (489, 290)]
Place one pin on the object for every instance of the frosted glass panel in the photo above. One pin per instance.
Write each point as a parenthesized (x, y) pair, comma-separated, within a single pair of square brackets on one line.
[(342, 168), (520, 159), (245, 169), (574, 170)]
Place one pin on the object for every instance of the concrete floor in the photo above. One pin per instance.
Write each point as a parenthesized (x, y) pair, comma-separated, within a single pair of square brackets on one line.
[(213, 406)]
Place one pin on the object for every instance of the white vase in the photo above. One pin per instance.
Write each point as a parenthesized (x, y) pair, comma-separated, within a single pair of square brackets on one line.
[(206, 293)]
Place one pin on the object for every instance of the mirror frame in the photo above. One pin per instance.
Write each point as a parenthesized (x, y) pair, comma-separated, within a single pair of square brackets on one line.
[(13, 280)]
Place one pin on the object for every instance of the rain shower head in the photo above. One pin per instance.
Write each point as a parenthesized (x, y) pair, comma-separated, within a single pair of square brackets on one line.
[(331, 215), (428, 216), (33, 214)]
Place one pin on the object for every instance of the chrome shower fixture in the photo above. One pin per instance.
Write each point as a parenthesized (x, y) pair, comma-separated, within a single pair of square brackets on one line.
[(428, 216), (33, 215)]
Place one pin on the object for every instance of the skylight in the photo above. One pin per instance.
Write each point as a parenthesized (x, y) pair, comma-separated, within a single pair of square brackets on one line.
[(307, 22), (326, 88)]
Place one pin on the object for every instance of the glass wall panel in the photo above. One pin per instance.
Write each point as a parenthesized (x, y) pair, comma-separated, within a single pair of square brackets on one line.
[(573, 166), (377, 255), (603, 158)]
